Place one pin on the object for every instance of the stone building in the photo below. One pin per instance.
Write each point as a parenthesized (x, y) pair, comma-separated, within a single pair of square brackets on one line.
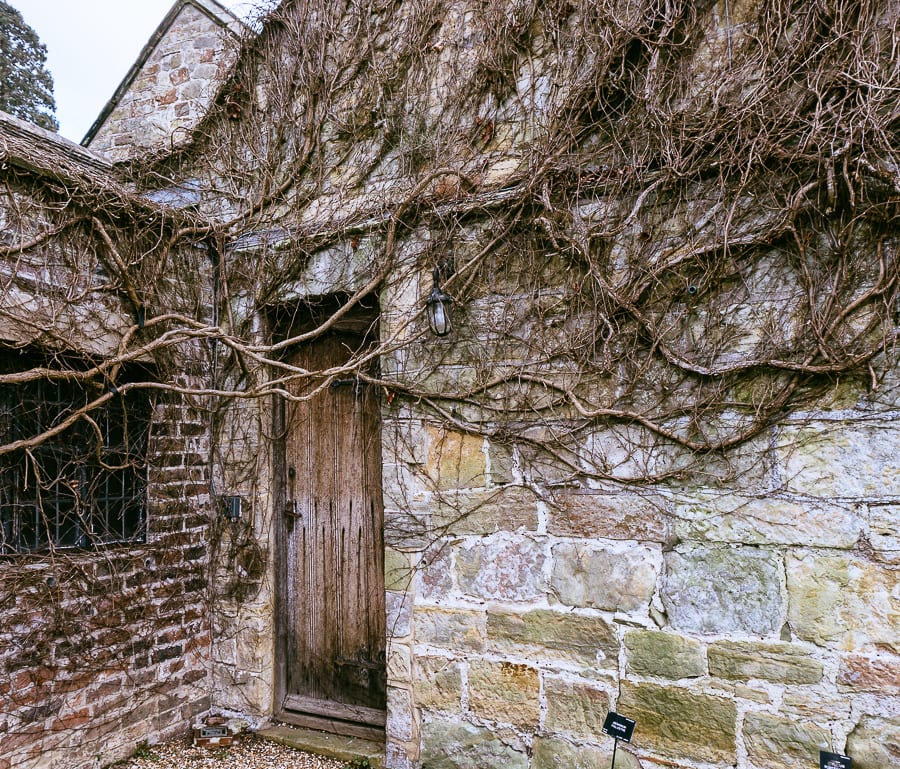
[(170, 85), (652, 468)]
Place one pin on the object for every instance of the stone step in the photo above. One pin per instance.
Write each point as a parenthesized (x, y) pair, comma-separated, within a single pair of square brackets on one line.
[(326, 744)]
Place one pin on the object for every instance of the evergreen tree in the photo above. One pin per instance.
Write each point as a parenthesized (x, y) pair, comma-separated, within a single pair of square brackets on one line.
[(26, 86)]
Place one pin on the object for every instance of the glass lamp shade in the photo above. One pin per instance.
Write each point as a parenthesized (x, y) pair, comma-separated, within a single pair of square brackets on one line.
[(438, 307)]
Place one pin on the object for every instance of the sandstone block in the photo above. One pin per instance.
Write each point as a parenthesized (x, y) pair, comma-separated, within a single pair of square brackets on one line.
[(455, 745), (500, 171), (875, 744), (880, 675), (405, 440), (611, 516), (628, 452), (503, 464), (779, 741), (884, 532), (829, 460), (667, 655), (399, 663), (435, 572), (501, 568), (779, 662), (206, 72), (403, 488), (179, 76), (437, 684), (723, 590), (506, 692), (753, 694), (191, 90), (609, 578), (670, 718), (399, 724), (397, 608), (575, 708), (451, 629), (446, 377), (397, 570), (456, 460), (400, 755), (842, 601), (809, 704), (544, 466), (168, 97), (549, 753), (590, 641), (206, 41), (407, 529), (750, 521), (253, 646), (485, 512)]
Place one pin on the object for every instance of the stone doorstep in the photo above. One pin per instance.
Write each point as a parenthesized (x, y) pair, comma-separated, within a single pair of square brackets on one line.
[(326, 744)]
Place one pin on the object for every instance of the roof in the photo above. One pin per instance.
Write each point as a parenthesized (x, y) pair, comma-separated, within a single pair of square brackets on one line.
[(27, 146), (83, 173), (211, 8)]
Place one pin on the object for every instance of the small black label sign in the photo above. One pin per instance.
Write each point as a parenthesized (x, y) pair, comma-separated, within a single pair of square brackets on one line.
[(618, 726), (834, 761)]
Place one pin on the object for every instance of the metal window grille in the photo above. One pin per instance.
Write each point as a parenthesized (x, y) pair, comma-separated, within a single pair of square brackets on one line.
[(81, 488)]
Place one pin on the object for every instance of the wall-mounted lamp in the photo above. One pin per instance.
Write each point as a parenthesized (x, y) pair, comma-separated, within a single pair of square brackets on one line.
[(438, 307)]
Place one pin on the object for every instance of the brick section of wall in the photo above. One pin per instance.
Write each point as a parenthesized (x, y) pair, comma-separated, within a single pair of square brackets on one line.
[(94, 672), (103, 650), (172, 90)]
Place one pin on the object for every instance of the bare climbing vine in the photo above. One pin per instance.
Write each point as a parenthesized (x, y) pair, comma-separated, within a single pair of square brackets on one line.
[(674, 221), (666, 225)]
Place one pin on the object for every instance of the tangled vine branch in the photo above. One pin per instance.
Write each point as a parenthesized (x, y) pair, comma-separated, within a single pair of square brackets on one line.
[(667, 225)]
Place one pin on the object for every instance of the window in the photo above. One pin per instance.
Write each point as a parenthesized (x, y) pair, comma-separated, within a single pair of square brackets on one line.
[(83, 487)]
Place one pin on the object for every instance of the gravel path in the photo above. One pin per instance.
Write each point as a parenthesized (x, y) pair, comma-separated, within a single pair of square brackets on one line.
[(249, 752)]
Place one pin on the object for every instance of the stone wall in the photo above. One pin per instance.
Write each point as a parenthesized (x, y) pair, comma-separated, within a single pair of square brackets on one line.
[(172, 84), (750, 625), (242, 590)]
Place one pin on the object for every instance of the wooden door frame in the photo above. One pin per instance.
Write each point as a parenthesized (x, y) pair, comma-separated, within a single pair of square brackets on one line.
[(361, 319)]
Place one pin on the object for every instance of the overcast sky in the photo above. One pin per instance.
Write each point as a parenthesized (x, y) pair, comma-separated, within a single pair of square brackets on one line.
[(91, 45)]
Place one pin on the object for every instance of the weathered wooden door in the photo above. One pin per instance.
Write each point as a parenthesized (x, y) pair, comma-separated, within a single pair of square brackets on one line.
[(332, 619)]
